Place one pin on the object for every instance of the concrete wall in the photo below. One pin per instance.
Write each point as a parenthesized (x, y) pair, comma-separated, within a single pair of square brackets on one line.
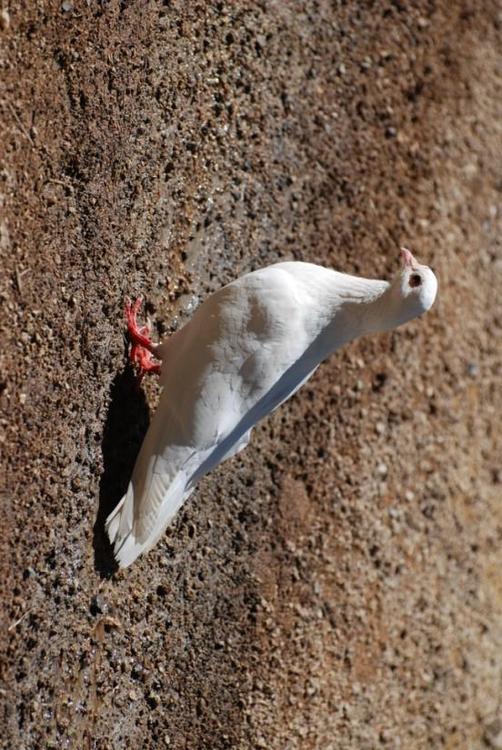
[(337, 585)]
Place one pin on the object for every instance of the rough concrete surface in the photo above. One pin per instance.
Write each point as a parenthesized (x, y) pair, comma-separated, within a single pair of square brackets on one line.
[(337, 585)]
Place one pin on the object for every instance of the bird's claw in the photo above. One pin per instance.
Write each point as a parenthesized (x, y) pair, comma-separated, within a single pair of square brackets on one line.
[(142, 349)]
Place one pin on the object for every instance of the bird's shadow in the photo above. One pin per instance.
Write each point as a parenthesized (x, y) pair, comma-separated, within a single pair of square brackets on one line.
[(126, 424)]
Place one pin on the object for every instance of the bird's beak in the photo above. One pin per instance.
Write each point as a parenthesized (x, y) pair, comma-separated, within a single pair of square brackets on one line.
[(407, 258)]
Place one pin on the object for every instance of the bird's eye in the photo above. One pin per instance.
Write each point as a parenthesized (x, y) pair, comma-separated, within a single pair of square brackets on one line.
[(415, 280)]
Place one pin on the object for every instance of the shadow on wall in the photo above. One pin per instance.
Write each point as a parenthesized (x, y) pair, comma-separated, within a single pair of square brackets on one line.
[(126, 424)]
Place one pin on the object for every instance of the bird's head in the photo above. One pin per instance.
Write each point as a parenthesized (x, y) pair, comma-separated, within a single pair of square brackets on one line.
[(414, 289)]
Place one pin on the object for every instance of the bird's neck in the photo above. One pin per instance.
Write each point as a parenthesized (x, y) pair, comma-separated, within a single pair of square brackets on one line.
[(357, 308), (380, 312)]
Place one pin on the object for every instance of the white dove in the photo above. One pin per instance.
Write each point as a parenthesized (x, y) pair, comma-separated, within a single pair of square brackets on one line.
[(247, 349)]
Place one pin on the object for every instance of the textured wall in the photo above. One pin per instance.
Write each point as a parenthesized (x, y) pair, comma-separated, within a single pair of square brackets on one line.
[(337, 585)]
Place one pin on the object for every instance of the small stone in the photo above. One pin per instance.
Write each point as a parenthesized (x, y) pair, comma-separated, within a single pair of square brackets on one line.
[(67, 6), (137, 671), (382, 470), (4, 20), (380, 428), (152, 699), (98, 605), (472, 369), (342, 69)]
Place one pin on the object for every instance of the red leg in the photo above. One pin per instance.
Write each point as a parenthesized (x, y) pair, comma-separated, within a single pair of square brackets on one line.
[(138, 336), (142, 348)]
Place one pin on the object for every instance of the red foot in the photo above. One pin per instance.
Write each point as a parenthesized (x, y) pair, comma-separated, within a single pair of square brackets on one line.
[(142, 348)]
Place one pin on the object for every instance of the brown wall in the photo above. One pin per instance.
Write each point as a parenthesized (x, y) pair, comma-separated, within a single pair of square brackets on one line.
[(338, 584)]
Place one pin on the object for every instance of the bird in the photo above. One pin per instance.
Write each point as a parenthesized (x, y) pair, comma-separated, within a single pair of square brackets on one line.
[(247, 348)]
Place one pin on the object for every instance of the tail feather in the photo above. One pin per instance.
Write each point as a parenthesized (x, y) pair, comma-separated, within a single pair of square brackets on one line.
[(120, 520), (126, 539)]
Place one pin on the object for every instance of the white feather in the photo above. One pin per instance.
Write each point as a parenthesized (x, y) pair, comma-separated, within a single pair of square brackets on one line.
[(247, 349)]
